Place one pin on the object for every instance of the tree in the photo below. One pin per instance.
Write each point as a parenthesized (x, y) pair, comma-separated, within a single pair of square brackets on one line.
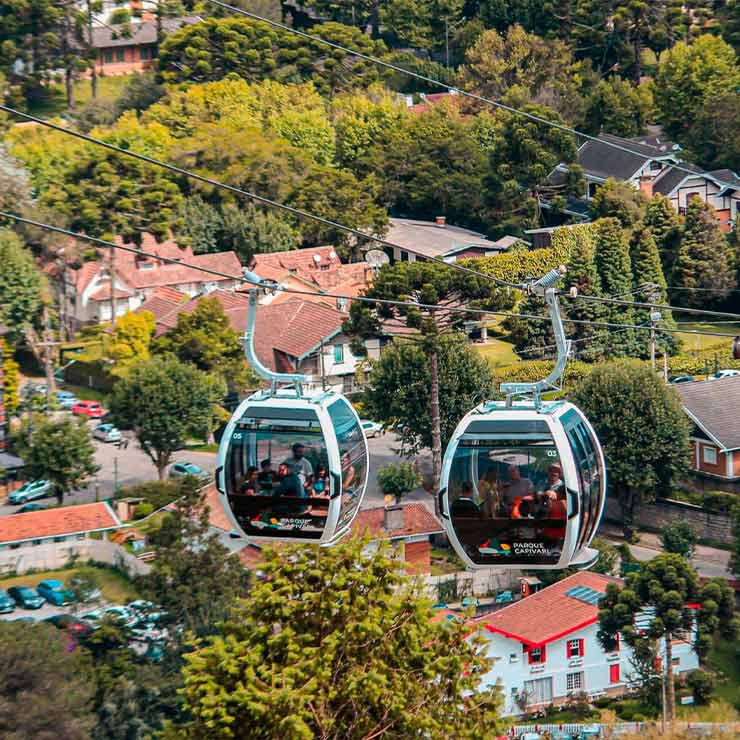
[(704, 259), (734, 565), (21, 287), (44, 671), (205, 339), (420, 370), (691, 75), (663, 595), (398, 480), (60, 451), (701, 684), (608, 557), (665, 226), (620, 200), (679, 538), (425, 24), (130, 339), (11, 374), (707, 137), (644, 459), (165, 402), (194, 578), (616, 107), (337, 643)]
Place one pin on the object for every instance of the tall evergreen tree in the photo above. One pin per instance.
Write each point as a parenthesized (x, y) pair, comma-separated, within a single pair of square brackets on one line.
[(704, 259), (665, 225), (615, 272)]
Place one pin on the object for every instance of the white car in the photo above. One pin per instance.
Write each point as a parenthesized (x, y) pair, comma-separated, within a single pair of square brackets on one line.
[(107, 433), (725, 374), (371, 428), (120, 614)]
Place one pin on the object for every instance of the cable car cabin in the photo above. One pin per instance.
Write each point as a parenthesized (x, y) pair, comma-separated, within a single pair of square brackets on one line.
[(293, 468), (523, 488)]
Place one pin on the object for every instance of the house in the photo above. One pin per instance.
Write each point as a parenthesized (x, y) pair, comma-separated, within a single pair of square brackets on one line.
[(429, 100), (122, 50), (440, 240), (62, 524), (409, 528), (137, 278), (544, 647), (647, 163), (713, 406)]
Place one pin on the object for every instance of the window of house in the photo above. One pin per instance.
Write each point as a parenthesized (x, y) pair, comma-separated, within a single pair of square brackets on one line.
[(36, 542), (108, 56), (614, 673), (147, 52), (338, 353), (675, 661), (348, 384), (574, 681), (120, 55), (709, 455), (537, 655), (575, 648)]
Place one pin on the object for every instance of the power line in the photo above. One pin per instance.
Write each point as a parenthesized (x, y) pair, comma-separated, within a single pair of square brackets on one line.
[(640, 304), (253, 196), (444, 85), (364, 299)]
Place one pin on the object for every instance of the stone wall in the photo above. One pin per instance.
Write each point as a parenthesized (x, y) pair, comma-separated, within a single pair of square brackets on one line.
[(56, 555), (707, 526), (474, 583)]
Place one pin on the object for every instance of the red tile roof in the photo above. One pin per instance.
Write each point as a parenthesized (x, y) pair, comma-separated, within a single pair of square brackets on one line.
[(550, 613), (297, 260), (103, 293), (162, 302), (66, 520), (234, 305), (216, 513), (431, 99), (417, 519)]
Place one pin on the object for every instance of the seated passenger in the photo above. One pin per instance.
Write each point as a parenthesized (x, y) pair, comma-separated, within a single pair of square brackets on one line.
[(321, 482), (488, 487), (266, 475), (465, 505), (516, 486), (250, 484), (555, 480), (289, 486), (302, 466)]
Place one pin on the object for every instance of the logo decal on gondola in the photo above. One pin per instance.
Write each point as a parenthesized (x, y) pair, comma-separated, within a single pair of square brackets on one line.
[(493, 547)]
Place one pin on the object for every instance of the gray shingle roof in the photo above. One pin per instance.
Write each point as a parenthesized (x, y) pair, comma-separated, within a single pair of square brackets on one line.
[(669, 179), (715, 405), (106, 37), (431, 240), (600, 159)]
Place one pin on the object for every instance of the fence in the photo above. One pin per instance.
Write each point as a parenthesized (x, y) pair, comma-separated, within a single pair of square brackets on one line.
[(705, 729), (57, 555)]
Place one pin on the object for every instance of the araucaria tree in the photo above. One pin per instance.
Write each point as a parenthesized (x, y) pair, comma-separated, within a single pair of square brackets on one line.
[(336, 643), (663, 597), (166, 402), (642, 428)]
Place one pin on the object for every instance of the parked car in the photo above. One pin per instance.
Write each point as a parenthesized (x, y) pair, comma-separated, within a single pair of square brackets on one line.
[(181, 469), (29, 491), (120, 614), (107, 433), (91, 409), (7, 604), (26, 597), (29, 507), (681, 379), (70, 624), (724, 374), (55, 592), (66, 399), (371, 428)]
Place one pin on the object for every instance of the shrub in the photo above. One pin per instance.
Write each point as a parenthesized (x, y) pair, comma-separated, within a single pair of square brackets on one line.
[(679, 537), (157, 493), (701, 684), (143, 509), (397, 480)]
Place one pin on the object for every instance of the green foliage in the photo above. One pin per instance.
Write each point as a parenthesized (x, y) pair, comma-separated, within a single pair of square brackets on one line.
[(704, 258), (527, 372), (735, 557), (398, 479), (158, 493), (616, 107), (620, 200), (689, 76), (165, 402), (408, 85), (679, 538), (609, 558), (130, 339), (143, 509), (40, 669), (61, 451), (665, 226), (701, 684), (336, 643), (643, 460), (11, 379), (707, 136), (218, 47)]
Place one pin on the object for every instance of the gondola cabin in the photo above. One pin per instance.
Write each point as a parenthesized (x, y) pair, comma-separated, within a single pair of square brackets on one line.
[(523, 487), (293, 467)]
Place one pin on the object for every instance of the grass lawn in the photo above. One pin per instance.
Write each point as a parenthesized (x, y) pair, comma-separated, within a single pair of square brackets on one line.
[(725, 657), (498, 352), (109, 88), (694, 343), (201, 447), (83, 393), (444, 561), (116, 588)]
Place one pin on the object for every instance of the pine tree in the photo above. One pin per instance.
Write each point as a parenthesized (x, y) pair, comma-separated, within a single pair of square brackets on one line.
[(665, 224), (10, 378), (615, 271), (704, 259)]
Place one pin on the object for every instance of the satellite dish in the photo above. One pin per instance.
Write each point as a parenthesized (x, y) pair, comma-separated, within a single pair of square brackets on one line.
[(332, 255), (376, 258), (317, 258)]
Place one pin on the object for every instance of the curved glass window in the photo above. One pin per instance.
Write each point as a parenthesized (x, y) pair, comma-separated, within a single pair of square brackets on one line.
[(277, 475), (353, 459), (507, 499)]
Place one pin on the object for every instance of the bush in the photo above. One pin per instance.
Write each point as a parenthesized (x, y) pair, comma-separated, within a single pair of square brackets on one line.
[(701, 684), (398, 479), (143, 509), (156, 493), (678, 537)]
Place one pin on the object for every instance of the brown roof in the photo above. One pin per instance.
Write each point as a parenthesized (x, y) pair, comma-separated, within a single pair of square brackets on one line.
[(162, 302), (550, 613), (417, 519), (65, 520), (216, 513), (234, 305), (714, 405), (103, 293)]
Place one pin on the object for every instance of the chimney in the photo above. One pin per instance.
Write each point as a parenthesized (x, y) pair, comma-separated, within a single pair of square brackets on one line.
[(393, 518), (441, 221)]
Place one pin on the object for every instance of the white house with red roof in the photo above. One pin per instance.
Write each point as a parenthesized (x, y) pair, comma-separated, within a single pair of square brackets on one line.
[(135, 278), (544, 647)]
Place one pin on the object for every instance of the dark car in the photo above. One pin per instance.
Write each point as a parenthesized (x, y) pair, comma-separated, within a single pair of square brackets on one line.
[(681, 379), (26, 597), (55, 592), (70, 624), (6, 603), (29, 507)]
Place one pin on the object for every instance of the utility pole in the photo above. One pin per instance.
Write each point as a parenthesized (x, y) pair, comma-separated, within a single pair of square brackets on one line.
[(665, 367), (655, 316), (115, 476), (48, 364)]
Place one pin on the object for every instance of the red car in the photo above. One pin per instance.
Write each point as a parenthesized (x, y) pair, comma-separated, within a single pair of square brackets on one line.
[(91, 409)]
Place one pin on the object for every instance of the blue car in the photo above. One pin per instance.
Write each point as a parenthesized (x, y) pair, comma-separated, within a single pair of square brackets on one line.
[(7, 604), (66, 400), (55, 592), (26, 597)]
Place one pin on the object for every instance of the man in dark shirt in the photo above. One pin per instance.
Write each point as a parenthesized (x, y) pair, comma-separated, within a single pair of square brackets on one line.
[(266, 476)]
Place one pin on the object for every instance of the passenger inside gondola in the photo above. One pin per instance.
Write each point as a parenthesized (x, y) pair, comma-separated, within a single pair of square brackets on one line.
[(250, 486), (266, 476), (302, 467)]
